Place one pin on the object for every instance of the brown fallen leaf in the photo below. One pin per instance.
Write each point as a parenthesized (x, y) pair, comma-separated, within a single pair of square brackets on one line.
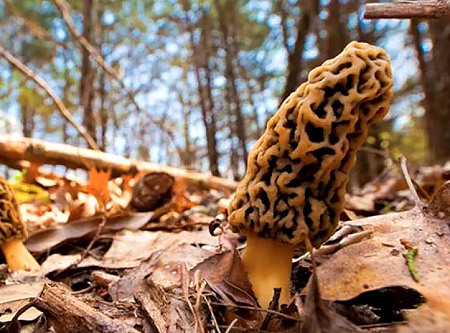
[(375, 263), (14, 297), (125, 287), (130, 248), (317, 318), (45, 240)]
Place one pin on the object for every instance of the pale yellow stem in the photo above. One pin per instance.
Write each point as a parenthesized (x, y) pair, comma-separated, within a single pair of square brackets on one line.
[(268, 263), (18, 257)]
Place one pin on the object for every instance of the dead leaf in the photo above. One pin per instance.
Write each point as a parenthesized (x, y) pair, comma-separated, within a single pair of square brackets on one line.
[(98, 184), (125, 287), (31, 173), (377, 262), (317, 318), (14, 297), (130, 248), (45, 240), (179, 198)]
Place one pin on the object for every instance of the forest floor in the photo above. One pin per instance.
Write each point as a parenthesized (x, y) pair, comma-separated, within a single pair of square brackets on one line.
[(155, 254)]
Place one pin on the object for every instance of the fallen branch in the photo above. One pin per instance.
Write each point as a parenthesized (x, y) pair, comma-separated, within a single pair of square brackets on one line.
[(58, 102), (69, 314), (14, 149), (425, 9)]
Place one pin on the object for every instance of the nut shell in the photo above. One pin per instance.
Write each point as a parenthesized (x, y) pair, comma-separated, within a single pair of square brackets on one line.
[(298, 170)]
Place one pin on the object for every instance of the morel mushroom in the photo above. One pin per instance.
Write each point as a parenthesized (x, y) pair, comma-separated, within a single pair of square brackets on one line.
[(13, 232), (298, 170)]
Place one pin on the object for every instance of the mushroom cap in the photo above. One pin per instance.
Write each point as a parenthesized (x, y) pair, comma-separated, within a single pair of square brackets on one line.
[(11, 224), (298, 170)]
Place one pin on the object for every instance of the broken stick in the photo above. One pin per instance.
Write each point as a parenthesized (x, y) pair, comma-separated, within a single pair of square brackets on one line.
[(69, 314), (425, 9), (13, 149)]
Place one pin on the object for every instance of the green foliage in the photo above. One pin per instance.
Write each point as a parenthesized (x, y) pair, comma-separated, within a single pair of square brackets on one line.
[(29, 192), (148, 42)]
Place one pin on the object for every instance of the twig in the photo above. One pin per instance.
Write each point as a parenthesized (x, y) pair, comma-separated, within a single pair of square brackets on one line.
[(246, 307), (410, 184), (211, 311), (388, 156), (66, 13), (100, 228), (59, 104), (273, 305), (65, 10), (183, 226), (424, 9), (229, 328), (240, 329), (34, 27), (198, 322), (9, 327)]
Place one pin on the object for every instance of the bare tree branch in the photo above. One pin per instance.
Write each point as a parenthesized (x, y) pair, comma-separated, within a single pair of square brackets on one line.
[(66, 13), (34, 27), (58, 103), (429, 9)]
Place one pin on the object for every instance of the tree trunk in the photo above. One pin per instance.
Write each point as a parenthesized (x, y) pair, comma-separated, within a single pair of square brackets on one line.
[(87, 73), (337, 37), (202, 96), (230, 54), (28, 123), (294, 66), (208, 87), (103, 114), (438, 86)]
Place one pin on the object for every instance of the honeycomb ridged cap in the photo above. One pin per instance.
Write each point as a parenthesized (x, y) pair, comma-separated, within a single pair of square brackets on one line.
[(298, 170)]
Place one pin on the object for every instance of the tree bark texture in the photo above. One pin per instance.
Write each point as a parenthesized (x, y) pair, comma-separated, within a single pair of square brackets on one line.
[(231, 53), (87, 73), (208, 117), (28, 123), (409, 9), (437, 116), (69, 314), (294, 66)]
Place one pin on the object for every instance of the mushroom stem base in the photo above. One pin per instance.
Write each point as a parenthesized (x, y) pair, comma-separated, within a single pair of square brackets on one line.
[(268, 263), (18, 257)]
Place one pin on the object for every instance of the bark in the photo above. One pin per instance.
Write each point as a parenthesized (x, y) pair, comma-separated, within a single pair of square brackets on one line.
[(104, 118), (230, 54), (69, 314), (250, 99), (294, 66), (28, 123), (13, 150), (187, 157), (337, 37), (437, 73), (87, 73), (56, 100), (207, 54), (103, 113), (409, 9), (208, 124)]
